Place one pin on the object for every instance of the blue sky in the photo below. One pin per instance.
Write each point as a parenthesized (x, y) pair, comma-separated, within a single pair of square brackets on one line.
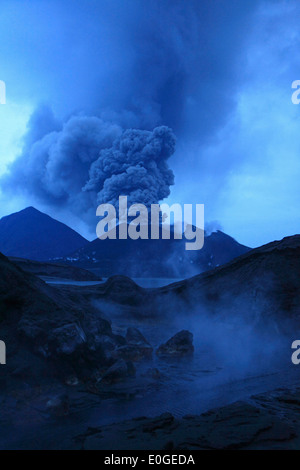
[(218, 73)]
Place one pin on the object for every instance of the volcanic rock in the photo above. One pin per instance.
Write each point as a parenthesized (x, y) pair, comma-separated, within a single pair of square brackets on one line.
[(179, 345)]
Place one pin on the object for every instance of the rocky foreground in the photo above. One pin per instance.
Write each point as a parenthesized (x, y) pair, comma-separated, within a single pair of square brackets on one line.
[(70, 349), (267, 421)]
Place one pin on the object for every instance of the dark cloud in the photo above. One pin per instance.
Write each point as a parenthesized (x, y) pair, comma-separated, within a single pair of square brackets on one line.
[(54, 167), (135, 166), (107, 67), (89, 161), (141, 63)]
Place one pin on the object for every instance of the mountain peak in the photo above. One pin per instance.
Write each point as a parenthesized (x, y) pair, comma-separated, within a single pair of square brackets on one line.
[(35, 235), (29, 209)]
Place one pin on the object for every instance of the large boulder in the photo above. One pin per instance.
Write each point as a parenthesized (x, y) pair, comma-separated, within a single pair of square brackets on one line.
[(179, 345), (120, 370), (67, 339), (59, 405), (136, 348), (134, 336), (99, 334)]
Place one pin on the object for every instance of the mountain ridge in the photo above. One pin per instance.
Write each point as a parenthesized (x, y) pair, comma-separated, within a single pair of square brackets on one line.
[(156, 258), (34, 235), (265, 280)]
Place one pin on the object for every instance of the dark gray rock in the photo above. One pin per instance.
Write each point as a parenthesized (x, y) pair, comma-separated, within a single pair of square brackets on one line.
[(117, 372), (134, 336), (99, 335), (179, 345), (59, 405), (67, 339), (137, 347)]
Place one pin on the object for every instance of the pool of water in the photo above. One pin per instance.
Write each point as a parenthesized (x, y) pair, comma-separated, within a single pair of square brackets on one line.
[(141, 281)]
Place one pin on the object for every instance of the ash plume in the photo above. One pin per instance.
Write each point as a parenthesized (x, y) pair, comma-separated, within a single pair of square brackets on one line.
[(135, 166), (88, 161)]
